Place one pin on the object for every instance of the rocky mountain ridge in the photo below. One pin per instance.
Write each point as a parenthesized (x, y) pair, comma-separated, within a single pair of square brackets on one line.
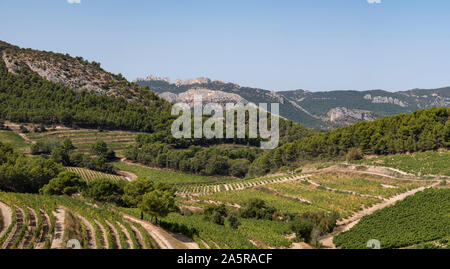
[(320, 110)]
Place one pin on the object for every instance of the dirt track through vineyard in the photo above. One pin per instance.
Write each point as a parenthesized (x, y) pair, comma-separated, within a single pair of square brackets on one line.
[(7, 217)]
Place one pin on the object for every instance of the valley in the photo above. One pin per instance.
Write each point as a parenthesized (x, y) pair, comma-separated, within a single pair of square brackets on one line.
[(88, 157)]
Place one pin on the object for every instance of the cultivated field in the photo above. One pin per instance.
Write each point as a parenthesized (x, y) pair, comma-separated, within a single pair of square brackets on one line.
[(424, 217), (90, 175), (421, 163), (42, 222), (84, 138)]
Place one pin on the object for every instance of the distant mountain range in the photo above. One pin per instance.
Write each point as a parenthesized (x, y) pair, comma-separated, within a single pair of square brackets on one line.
[(320, 110)]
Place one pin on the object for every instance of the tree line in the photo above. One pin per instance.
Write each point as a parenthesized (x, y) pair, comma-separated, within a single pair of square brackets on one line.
[(427, 129)]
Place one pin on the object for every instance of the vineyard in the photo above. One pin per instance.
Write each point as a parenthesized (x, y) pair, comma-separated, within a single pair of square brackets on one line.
[(421, 218), (160, 175), (82, 139), (90, 175), (234, 185), (421, 163), (43, 222)]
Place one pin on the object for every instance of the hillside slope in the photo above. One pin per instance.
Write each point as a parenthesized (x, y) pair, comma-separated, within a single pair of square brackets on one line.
[(52, 88)]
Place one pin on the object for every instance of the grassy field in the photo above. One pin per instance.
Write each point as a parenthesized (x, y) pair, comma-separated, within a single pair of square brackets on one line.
[(423, 217), (421, 163), (167, 176), (14, 140)]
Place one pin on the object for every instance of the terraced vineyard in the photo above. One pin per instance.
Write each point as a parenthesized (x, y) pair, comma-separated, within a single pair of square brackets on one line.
[(83, 138), (421, 218), (40, 222), (233, 185), (90, 175)]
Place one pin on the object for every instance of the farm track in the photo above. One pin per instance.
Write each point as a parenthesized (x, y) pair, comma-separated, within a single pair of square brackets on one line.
[(15, 232), (6, 212), (60, 216), (164, 239)]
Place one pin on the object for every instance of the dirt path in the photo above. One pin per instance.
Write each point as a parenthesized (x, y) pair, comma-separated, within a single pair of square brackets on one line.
[(128, 175), (15, 231), (60, 218), (164, 239), (7, 217), (347, 224)]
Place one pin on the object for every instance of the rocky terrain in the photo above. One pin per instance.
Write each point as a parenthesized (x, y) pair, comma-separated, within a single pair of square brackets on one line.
[(320, 110)]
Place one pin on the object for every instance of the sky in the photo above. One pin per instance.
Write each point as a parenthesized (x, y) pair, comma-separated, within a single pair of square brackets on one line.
[(316, 45)]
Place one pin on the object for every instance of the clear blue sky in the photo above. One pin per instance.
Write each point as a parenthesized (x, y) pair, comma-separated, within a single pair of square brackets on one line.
[(276, 45)]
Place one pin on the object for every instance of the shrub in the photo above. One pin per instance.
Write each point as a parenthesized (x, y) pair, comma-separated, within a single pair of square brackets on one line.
[(355, 154), (233, 221), (105, 190), (67, 183)]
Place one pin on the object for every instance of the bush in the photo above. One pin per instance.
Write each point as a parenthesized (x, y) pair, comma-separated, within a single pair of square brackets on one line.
[(216, 214), (233, 221), (302, 227), (105, 190), (257, 208), (355, 154), (67, 183)]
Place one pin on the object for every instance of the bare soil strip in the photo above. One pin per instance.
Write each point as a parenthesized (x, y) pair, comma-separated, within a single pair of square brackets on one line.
[(127, 175), (60, 217), (162, 238), (15, 232), (7, 217)]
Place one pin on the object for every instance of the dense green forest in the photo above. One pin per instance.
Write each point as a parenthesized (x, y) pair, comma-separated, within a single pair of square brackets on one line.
[(420, 131)]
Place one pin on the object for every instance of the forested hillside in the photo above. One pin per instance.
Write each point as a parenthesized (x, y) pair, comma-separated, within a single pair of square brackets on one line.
[(27, 97)]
